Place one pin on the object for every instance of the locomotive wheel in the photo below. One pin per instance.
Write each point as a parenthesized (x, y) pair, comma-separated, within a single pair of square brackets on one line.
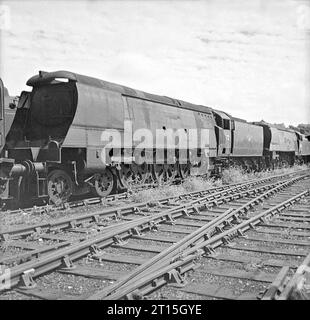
[(184, 170), (103, 183), (165, 172), (134, 175), (59, 186), (285, 164)]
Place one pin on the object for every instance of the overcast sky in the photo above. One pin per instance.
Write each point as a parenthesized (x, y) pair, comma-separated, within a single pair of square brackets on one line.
[(246, 57)]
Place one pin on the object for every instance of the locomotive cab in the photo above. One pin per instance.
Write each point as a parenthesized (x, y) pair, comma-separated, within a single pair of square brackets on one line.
[(223, 130)]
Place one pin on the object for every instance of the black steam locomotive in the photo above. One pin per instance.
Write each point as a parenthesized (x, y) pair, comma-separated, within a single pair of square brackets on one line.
[(51, 139)]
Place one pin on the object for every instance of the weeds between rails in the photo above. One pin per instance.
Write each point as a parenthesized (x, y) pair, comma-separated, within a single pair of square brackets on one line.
[(74, 251), (230, 176)]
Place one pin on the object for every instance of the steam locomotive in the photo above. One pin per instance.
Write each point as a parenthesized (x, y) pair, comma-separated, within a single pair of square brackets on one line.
[(51, 139)]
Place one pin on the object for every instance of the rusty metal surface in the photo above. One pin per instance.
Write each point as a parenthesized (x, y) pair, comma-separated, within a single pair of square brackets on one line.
[(248, 140), (283, 140)]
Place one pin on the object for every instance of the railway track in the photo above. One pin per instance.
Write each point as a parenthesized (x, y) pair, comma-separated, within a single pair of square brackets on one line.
[(99, 201), (247, 266), (100, 216), (82, 202), (291, 284), (166, 239), (218, 252), (69, 230)]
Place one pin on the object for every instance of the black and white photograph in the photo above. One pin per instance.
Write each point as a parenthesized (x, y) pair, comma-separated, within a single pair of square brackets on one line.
[(155, 150)]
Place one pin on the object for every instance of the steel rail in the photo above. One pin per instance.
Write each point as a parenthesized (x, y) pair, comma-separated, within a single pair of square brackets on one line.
[(284, 286), (114, 197), (82, 218), (173, 252), (277, 284), (122, 210), (161, 274), (176, 212), (79, 203), (64, 257), (212, 201), (96, 200), (296, 283)]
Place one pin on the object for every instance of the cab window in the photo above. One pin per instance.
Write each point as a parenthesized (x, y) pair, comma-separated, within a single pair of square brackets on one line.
[(226, 124), (218, 120)]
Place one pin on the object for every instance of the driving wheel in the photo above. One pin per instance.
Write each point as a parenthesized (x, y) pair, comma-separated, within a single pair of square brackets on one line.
[(103, 183), (59, 186)]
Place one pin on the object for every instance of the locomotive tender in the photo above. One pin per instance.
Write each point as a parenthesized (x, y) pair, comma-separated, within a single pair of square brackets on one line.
[(51, 143)]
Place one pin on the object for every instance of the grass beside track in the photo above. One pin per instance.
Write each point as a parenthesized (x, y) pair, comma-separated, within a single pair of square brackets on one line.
[(236, 174), (230, 176)]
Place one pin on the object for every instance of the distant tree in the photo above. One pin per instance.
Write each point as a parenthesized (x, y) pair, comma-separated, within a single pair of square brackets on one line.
[(280, 125), (304, 128), (294, 128)]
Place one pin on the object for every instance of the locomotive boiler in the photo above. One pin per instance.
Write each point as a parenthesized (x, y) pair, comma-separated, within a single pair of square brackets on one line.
[(54, 139), (53, 148)]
